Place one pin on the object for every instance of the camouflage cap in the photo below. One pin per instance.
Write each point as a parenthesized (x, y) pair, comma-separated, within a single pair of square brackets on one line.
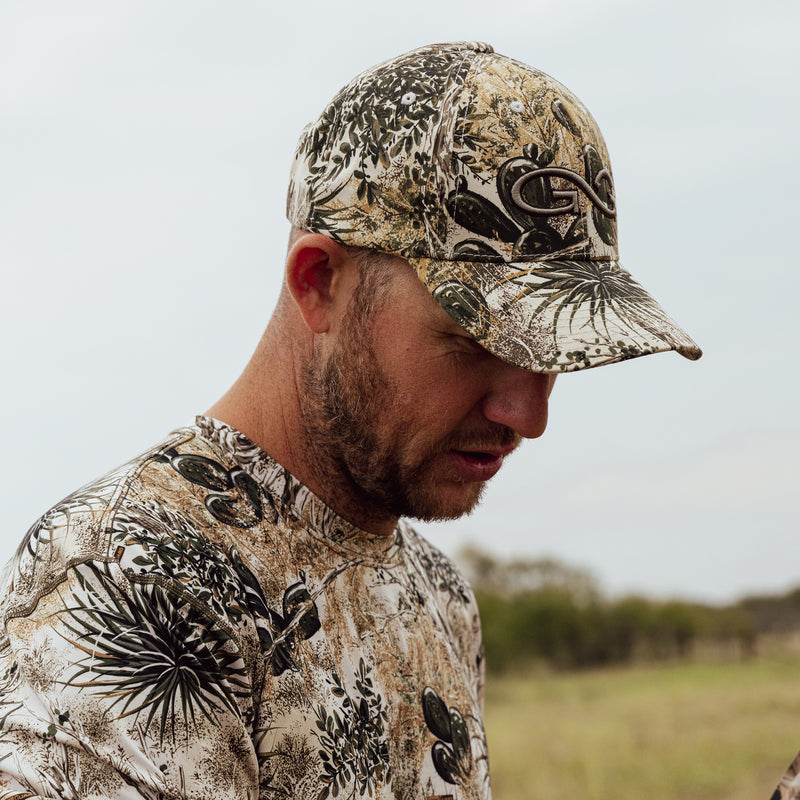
[(493, 181)]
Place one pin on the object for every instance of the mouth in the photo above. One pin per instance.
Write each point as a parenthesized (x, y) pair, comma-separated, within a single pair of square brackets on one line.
[(478, 465), (480, 457)]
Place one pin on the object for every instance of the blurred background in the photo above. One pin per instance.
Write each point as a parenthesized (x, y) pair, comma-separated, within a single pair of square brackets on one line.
[(144, 153)]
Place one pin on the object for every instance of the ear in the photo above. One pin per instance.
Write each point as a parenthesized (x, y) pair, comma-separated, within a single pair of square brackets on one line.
[(319, 277)]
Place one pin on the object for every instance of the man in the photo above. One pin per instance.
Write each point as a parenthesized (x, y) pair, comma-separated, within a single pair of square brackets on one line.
[(240, 612)]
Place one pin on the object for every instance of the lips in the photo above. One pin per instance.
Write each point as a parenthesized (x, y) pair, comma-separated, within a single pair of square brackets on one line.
[(478, 465)]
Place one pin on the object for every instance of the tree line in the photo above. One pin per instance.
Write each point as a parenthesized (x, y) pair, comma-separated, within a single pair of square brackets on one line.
[(546, 611)]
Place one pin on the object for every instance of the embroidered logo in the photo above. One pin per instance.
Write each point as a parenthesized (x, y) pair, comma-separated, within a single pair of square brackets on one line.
[(602, 182)]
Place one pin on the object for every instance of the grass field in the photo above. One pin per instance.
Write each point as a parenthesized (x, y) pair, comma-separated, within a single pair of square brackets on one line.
[(682, 731)]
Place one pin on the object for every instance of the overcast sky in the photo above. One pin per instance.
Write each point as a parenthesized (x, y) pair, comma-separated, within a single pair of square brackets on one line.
[(144, 153)]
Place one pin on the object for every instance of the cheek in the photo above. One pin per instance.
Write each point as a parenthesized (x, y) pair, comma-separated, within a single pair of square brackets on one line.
[(430, 389), (430, 406)]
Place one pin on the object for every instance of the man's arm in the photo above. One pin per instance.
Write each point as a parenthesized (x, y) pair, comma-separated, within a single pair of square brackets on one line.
[(118, 688), (789, 787)]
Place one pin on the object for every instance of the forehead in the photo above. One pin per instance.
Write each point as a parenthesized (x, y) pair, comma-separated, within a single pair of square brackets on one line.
[(392, 306), (404, 291)]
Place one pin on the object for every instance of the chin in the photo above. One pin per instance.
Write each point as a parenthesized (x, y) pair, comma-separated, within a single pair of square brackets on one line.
[(444, 505)]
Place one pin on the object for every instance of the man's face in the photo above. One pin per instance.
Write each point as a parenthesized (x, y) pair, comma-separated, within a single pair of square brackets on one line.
[(413, 413)]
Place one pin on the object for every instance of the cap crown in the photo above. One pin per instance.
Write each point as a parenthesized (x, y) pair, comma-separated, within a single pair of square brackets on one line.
[(493, 181), (455, 152)]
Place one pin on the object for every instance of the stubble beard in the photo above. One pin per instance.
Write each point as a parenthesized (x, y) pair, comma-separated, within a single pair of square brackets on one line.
[(347, 397)]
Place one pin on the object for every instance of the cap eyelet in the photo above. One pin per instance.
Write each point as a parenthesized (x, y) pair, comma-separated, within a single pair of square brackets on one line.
[(516, 106), (408, 98)]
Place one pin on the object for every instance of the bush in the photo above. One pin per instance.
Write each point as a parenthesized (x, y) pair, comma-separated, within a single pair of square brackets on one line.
[(541, 610)]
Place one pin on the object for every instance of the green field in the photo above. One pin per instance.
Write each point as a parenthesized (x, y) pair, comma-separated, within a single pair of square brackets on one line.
[(681, 731)]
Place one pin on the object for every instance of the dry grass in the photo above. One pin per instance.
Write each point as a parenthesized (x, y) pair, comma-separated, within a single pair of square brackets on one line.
[(686, 731)]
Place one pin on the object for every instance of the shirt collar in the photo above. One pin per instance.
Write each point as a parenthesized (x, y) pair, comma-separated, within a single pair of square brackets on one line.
[(294, 497)]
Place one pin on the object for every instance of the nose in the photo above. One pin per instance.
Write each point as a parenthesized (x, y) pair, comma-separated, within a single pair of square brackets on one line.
[(518, 399)]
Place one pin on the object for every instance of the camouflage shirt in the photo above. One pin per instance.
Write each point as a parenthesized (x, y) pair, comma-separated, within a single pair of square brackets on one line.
[(197, 624), (789, 787)]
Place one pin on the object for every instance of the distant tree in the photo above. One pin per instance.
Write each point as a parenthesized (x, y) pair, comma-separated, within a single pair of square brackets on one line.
[(676, 629), (518, 575), (773, 614), (734, 623), (543, 610), (629, 627)]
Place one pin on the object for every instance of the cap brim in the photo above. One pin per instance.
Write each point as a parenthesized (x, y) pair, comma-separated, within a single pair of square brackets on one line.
[(554, 315)]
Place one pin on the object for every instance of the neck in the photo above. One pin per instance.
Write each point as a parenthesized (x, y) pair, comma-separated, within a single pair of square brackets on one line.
[(266, 405)]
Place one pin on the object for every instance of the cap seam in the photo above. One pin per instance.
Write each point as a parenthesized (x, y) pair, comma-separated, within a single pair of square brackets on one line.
[(469, 82), (521, 260), (466, 54)]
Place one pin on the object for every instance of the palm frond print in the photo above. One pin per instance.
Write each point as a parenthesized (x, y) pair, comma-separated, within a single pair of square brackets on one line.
[(149, 652), (575, 285)]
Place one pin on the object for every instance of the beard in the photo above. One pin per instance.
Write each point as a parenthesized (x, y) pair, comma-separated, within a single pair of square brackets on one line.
[(358, 438)]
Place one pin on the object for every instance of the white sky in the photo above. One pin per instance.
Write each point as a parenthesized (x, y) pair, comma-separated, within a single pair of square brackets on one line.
[(144, 150)]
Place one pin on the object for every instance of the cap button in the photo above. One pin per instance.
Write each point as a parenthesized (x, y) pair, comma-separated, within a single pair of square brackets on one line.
[(480, 47)]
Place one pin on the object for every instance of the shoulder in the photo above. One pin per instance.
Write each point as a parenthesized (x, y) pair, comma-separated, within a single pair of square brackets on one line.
[(450, 592), (125, 628), (150, 538), (77, 529), (440, 571), (163, 517)]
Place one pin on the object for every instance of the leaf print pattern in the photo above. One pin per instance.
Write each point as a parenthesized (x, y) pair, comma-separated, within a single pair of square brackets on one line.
[(153, 646), (442, 574), (474, 167), (452, 752), (235, 498), (352, 739), (144, 654), (368, 124), (300, 620)]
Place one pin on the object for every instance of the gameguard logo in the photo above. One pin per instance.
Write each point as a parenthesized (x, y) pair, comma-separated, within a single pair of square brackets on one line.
[(609, 208)]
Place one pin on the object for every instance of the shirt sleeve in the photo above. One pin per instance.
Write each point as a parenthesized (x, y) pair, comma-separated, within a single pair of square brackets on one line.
[(116, 687), (789, 787)]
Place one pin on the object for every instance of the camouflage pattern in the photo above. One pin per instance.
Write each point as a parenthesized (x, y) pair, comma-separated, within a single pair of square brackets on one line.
[(198, 624), (789, 786), (494, 182)]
